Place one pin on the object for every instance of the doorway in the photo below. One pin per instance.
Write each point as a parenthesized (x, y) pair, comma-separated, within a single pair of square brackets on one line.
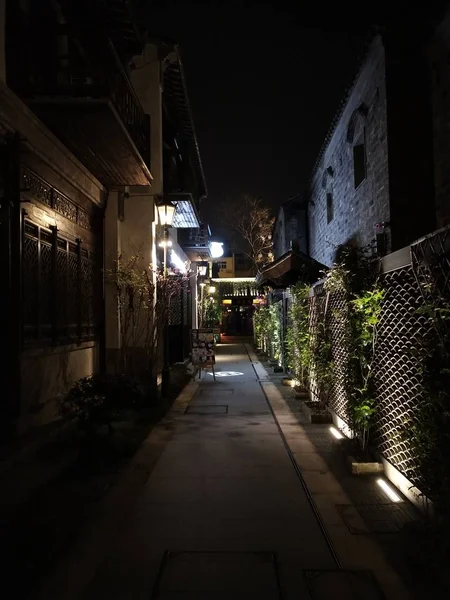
[(237, 320)]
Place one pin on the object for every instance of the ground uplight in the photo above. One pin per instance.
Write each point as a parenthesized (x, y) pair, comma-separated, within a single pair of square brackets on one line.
[(390, 493), (336, 433)]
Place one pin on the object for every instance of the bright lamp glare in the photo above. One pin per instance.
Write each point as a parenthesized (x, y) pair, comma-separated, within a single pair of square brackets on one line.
[(336, 433), (177, 262), (216, 249), (166, 213), (388, 491)]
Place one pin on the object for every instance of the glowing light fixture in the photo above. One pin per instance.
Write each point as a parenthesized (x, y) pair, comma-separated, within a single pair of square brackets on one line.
[(233, 279), (202, 269), (166, 213), (177, 262), (336, 433), (212, 289), (390, 493), (216, 249), (227, 301), (165, 244)]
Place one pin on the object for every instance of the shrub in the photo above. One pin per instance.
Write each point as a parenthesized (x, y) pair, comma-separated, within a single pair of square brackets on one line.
[(354, 276), (298, 342), (98, 400)]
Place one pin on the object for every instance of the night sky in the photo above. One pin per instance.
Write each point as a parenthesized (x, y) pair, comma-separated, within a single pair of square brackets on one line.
[(264, 84)]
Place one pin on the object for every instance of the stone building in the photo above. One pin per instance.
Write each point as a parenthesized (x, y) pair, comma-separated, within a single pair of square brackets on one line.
[(290, 227), (373, 181), (86, 107)]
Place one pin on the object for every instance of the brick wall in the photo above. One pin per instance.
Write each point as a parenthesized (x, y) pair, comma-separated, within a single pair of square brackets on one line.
[(355, 211)]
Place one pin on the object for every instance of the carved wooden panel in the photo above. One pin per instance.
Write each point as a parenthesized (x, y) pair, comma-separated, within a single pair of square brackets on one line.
[(42, 191)]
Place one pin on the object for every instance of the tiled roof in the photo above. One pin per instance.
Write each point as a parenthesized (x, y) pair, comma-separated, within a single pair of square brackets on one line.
[(177, 99)]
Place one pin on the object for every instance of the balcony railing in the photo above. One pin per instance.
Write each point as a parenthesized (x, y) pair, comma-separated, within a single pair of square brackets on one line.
[(194, 238), (72, 79)]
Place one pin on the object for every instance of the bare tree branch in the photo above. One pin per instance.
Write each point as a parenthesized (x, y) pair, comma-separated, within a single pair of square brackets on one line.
[(253, 221)]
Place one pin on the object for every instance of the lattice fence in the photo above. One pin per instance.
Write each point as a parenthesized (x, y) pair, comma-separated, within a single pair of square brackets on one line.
[(404, 334), (316, 312)]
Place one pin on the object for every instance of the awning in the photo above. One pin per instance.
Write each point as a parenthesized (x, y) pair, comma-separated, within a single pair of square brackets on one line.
[(290, 268)]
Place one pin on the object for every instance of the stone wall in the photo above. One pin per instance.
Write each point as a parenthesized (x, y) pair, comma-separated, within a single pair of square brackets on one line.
[(355, 212)]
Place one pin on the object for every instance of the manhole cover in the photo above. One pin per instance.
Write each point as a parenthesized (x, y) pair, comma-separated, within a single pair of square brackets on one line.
[(357, 585), (215, 392), (377, 518), (209, 575), (207, 409)]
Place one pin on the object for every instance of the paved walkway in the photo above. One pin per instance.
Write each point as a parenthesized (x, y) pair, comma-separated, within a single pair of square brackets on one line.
[(240, 506)]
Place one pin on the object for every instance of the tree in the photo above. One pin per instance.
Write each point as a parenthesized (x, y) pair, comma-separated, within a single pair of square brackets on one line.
[(253, 221), (144, 297)]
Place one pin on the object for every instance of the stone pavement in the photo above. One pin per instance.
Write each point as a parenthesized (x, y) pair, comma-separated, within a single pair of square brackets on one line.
[(240, 505)]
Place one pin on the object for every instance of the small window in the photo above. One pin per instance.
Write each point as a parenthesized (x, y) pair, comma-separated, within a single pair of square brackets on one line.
[(359, 160), (329, 207)]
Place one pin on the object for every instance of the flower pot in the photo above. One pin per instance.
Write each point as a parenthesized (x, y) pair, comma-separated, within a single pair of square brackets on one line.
[(314, 415)]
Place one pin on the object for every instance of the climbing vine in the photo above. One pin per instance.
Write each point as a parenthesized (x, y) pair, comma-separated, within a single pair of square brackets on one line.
[(322, 365), (261, 328), (428, 430), (298, 339), (212, 311), (267, 330), (354, 275), (275, 335)]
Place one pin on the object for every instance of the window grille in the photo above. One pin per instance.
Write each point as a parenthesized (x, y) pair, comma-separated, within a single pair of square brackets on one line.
[(58, 288)]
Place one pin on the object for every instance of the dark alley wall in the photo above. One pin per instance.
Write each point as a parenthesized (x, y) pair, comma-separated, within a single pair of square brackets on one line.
[(439, 56)]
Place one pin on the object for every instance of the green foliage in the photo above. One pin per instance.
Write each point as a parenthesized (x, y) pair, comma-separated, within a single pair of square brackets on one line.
[(322, 365), (267, 331), (98, 400), (275, 334), (298, 342), (428, 430), (261, 321), (212, 311), (354, 277)]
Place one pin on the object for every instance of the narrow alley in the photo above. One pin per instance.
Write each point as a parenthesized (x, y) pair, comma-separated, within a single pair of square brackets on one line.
[(239, 506)]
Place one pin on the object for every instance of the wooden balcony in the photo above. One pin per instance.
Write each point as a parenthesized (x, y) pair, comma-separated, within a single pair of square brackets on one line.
[(96, 114), (196, 242)]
